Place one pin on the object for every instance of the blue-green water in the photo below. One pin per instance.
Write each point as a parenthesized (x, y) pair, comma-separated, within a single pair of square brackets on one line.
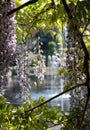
[(52, 85)]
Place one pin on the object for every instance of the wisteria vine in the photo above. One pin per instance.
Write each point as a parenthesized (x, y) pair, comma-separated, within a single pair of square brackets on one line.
[(7, 40)]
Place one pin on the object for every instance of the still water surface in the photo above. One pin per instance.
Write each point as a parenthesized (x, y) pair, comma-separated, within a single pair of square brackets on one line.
[(53, 85)]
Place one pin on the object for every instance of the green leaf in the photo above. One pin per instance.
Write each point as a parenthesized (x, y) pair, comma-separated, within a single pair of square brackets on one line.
[(62, 71), (66, 87)]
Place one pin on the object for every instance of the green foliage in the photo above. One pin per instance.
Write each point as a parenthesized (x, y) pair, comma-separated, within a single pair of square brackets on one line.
[(41, 15), (52, 48), (87, 42), (62, 71), (12, 118), (44, 14), (18, 2), (66, 87), (75, 115)]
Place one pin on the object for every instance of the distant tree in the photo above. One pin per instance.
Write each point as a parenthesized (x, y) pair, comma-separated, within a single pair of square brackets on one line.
[(51, 48)]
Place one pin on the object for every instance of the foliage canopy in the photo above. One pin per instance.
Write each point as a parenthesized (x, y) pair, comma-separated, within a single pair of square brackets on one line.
[(48, 15)]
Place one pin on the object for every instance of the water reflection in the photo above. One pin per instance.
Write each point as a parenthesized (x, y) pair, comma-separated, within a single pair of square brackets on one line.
[(60, 102), (14, 94), (53, 85)]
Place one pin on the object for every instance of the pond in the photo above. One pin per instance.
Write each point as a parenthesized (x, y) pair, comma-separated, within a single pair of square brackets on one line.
[(52, 85)]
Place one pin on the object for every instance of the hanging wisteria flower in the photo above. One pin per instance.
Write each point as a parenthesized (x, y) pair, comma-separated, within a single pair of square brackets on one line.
[(29, 63), (40, 68), (7, 38)]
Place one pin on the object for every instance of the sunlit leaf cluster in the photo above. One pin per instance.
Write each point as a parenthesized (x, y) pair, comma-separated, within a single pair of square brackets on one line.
[(12, 118)]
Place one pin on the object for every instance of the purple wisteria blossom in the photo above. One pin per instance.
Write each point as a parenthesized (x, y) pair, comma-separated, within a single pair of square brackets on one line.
[(7, 39), (29, 64)]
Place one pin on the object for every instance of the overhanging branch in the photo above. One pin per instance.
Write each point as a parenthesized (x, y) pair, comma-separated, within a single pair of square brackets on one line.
[(60, 94), (88, 22), (67, 9), (78, 36), (22, 6), (77, 32)]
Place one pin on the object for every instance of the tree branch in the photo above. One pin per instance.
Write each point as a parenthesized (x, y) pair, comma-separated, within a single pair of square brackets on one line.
[(67, 9), (86, 26), (77, 33), (86, 35), (44, 10), (85, 108), (22, 6), (38, 14), (78, 36), (60, 94)]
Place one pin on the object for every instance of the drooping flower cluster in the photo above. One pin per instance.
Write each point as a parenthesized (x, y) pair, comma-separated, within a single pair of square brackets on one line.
[(29, 63), (7, 38), (76, 76), (61, 58), (40, 68), (74, 62)]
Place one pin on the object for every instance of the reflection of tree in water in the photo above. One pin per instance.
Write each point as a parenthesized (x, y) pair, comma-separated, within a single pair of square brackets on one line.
[(14, 94)]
